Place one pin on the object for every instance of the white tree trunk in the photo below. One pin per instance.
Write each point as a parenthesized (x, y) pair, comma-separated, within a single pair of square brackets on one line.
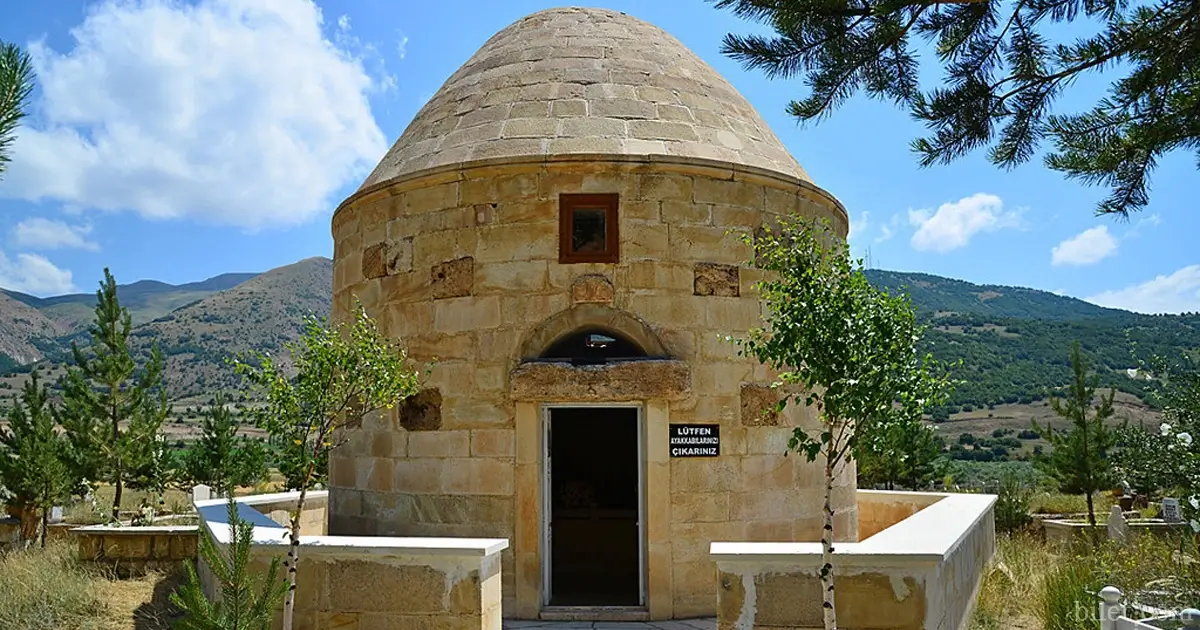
[(293, 559), (827, 592)]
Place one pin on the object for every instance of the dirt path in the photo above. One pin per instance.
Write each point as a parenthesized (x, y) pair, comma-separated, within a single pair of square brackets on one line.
[(141, 603)]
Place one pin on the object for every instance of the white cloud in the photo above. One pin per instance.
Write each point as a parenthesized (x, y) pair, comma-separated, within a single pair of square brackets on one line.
[(858, 226), (34, 274), (1178, 292), (953, 224), (1086, 248), (39, 233), (236, 112), (888, 230), (402, 46), (1151, 220)]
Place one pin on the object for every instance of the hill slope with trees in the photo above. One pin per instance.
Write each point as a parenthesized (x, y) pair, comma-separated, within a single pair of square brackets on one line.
[(1014, 343)]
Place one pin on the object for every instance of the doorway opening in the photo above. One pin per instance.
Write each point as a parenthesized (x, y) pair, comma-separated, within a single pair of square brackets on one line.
[(593, 524)]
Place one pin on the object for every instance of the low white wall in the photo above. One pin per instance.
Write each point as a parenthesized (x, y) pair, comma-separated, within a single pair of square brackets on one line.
[(922, 572), (371, 582)]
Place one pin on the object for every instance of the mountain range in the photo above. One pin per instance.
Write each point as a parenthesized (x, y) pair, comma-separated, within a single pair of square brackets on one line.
[(1012, 343)]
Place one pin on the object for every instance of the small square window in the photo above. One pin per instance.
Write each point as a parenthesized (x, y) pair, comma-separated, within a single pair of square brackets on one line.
[(587, 228)]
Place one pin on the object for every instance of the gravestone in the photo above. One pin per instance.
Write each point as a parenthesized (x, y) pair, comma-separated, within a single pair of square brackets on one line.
[(56, 514), (1170, 511), (1118, 528), (201, 492)]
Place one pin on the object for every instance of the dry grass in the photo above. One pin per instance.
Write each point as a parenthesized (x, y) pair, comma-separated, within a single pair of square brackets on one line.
[(140, 603), (1059, 503), (1034, 587), (47, 589)]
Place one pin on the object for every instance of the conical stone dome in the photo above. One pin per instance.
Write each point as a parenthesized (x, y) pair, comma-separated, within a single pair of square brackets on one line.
[(584, 81)]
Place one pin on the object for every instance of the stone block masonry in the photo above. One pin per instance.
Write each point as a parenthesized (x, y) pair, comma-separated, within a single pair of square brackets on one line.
[(453, 244), (498, 296)]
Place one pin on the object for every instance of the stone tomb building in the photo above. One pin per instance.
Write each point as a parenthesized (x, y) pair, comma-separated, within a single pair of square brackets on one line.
[(558, 230)]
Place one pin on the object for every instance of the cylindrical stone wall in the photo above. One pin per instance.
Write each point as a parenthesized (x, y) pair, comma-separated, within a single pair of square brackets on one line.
[(461, 264)]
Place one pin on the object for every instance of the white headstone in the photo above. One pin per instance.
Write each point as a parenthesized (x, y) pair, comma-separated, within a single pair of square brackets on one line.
[(201, 492), (1170, 511), (56, 514), (1118, 529)]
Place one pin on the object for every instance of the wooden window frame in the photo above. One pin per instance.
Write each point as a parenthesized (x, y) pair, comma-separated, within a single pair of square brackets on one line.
[(567, 204)]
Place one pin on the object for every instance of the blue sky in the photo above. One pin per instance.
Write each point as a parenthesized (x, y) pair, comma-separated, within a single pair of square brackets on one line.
[(180, 140)]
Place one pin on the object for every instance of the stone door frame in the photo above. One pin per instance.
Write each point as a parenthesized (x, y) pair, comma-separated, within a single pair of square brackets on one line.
[(531, 501), (547, 475)]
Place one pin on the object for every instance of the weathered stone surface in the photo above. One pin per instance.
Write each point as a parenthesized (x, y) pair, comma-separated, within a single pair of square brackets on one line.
[(592, 289), (398, 257), (645, 88), (716, 279), (374, 263), (759, 405), (632, 380), (465, 455), (453, 278), (422, 411), (359, 586)]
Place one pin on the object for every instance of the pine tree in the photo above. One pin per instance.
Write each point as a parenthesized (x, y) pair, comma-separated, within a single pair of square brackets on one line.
[(1004, 65), (32, 452), (16, 84), (220, 458), (112, 411), (907, 454), (1079, 458), (246, 602)]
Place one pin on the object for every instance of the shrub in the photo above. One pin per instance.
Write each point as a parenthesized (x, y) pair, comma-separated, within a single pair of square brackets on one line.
[(46, 589), (1012, 504)]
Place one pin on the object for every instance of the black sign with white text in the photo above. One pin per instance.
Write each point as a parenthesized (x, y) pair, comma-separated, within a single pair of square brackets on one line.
[(695, 440)]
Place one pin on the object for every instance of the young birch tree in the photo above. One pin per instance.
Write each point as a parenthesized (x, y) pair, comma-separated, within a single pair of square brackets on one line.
[(841, 347), (342, 374)]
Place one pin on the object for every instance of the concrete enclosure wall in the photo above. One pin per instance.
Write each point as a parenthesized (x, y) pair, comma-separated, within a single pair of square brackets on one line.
[(461, 264), (135, 550), (376, 582), (920, 573)]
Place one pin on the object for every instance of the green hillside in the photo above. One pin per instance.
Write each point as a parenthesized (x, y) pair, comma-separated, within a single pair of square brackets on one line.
[(146, 300), (1014, 342)]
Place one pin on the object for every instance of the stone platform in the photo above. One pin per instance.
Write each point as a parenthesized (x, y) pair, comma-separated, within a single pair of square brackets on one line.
[(678, 624)]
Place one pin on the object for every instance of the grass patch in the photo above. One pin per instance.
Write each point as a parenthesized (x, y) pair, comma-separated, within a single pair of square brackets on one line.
[(46, 589), (1032, 585), (1059, 503)]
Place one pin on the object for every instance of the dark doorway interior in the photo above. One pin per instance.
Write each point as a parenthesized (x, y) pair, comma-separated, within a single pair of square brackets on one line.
[(594, 541)]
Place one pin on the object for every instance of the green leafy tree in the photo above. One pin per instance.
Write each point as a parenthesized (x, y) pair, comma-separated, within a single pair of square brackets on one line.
[(342, 374), (16, 84), (1080, 458), (32, 465), (1004, 64), (112, 411), (220, 458), (1167, 457), (908, 454), (247, 601), (292, 459), (849, 349)]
